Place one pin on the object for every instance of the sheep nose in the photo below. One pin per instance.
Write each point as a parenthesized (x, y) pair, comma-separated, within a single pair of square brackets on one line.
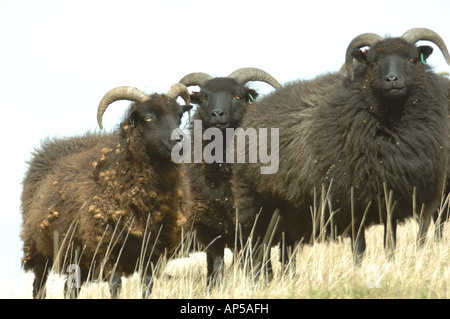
[(218, 113), (391, 78)]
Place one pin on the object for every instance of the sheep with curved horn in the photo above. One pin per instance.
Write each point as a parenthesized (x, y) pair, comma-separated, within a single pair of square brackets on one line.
[(118, 196), (374, 134), (222, 102)]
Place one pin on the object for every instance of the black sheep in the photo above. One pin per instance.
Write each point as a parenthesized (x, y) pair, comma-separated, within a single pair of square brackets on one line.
[(381, 130), (107, 193), (222, 103)]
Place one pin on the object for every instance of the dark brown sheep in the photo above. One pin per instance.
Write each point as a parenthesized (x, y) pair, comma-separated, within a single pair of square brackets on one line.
[(107, 193), (383, 126), (222, 103)]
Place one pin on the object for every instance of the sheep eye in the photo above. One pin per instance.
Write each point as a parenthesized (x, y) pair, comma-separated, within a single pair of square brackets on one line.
[(148, 118), (412, 60), (238, 97), (203, 100)]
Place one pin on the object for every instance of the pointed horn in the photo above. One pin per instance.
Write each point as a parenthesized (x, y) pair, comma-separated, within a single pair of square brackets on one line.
[(120, 93), (245, 75), (362, 40), (196, 78), (179, 89), (418, 34)]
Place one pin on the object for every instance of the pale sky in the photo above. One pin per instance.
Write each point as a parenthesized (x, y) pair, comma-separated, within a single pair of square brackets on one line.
[(58, 58)]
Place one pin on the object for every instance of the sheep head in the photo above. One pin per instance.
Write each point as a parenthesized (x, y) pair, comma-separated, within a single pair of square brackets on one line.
[(153, 117), (222, 100), (392, 60)]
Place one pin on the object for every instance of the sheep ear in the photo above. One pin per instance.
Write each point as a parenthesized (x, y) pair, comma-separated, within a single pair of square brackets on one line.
[(186, 107), (133, 119), (360, 56), (424, 52), (251, 95), (195, 97)]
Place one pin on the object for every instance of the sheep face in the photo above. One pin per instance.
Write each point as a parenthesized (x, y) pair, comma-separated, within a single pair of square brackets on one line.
[(222, 102), (155, 120), (392, 65)]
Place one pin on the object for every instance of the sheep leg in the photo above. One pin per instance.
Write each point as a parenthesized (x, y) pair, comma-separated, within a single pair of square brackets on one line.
[(263, 256), (72, 284), (249, 204), (287, 251), (358, 246), (147, 277), (111, 271), (390, 237), (114, 284), (428, 213), (439, 218), (214, 260), (263, 230), (147, 282), (438, 229), (40, 270), (71, 293), (424, 223)]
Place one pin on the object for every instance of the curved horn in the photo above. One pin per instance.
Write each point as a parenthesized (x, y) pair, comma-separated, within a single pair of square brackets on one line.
[(362, 40), (196, 78), (244, 75), (120, 93), (179, 89), (418, 34)]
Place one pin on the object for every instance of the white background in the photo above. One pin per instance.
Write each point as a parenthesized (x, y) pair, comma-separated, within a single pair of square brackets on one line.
[(58, 58)]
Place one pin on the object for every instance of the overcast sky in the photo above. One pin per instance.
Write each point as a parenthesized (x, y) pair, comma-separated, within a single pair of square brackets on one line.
[(58, 58)]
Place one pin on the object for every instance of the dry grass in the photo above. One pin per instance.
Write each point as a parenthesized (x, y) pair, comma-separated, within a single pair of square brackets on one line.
[(325, 270)]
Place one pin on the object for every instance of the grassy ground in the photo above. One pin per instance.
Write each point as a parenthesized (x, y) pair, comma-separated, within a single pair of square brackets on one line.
[(325, 270)]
